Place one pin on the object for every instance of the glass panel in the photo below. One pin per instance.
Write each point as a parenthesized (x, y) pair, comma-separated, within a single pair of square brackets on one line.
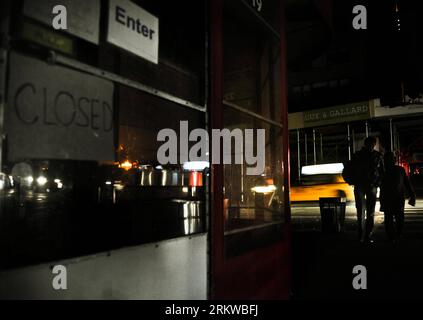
[(251, 65), (53, 209), (181, 70), (253, 204), (182, 51), (252, 200)]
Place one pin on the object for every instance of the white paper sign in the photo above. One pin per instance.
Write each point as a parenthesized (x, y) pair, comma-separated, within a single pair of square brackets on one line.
[(57, 113), (133, 29), (83, 17)]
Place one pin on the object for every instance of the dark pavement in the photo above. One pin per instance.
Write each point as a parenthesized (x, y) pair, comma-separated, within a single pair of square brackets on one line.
[(323, 263)]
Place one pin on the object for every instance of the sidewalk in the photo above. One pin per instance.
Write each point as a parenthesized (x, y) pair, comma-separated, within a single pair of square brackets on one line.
[(323, 264)]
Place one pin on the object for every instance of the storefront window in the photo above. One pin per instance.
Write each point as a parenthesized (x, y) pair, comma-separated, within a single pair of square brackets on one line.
[(52, 209), (253, 204), (80, 172), (254, 199)]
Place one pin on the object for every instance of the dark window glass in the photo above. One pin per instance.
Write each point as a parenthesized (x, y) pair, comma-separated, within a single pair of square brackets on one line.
[(181, 68), (253, 204), (52, 209)]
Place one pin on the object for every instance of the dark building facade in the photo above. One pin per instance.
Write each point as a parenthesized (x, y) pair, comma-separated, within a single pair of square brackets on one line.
[(81, 182)]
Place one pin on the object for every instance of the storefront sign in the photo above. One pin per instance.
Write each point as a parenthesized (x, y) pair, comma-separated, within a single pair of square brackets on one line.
[(338, 114), (57, 113), (83, 17), (133, 29)]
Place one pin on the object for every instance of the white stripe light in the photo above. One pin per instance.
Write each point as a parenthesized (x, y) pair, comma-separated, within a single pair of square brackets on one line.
[(328, 168)]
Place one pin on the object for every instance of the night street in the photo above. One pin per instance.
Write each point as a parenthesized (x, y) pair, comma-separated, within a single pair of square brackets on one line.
[(323, 263), (211, 150)]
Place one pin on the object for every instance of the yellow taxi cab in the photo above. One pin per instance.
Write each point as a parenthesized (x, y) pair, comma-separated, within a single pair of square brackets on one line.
[(321, 181)]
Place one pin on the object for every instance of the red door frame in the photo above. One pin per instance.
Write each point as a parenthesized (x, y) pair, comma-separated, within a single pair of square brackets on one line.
[(263, 273)]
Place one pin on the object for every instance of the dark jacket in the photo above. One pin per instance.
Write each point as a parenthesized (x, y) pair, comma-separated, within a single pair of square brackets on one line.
[(369, 168), (395, 186)]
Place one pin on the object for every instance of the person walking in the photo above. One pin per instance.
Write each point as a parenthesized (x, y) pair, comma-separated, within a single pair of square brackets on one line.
[(394, 188), (369, 169)]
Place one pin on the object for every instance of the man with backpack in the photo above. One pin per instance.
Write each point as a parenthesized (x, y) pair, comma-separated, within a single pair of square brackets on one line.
[(367, 171)]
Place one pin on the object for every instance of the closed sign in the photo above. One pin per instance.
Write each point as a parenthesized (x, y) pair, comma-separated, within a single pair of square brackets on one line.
[(57, 113), (133, 29)]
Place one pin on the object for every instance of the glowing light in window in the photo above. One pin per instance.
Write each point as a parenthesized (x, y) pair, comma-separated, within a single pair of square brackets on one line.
[(196, 165), (126, 165), (264, 189), (41, 180)]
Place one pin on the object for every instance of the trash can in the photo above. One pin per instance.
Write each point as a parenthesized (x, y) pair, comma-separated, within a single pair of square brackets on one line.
[(332, 213)]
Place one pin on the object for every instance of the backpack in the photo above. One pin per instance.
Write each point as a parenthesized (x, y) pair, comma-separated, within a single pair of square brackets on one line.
[(349, 173)]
